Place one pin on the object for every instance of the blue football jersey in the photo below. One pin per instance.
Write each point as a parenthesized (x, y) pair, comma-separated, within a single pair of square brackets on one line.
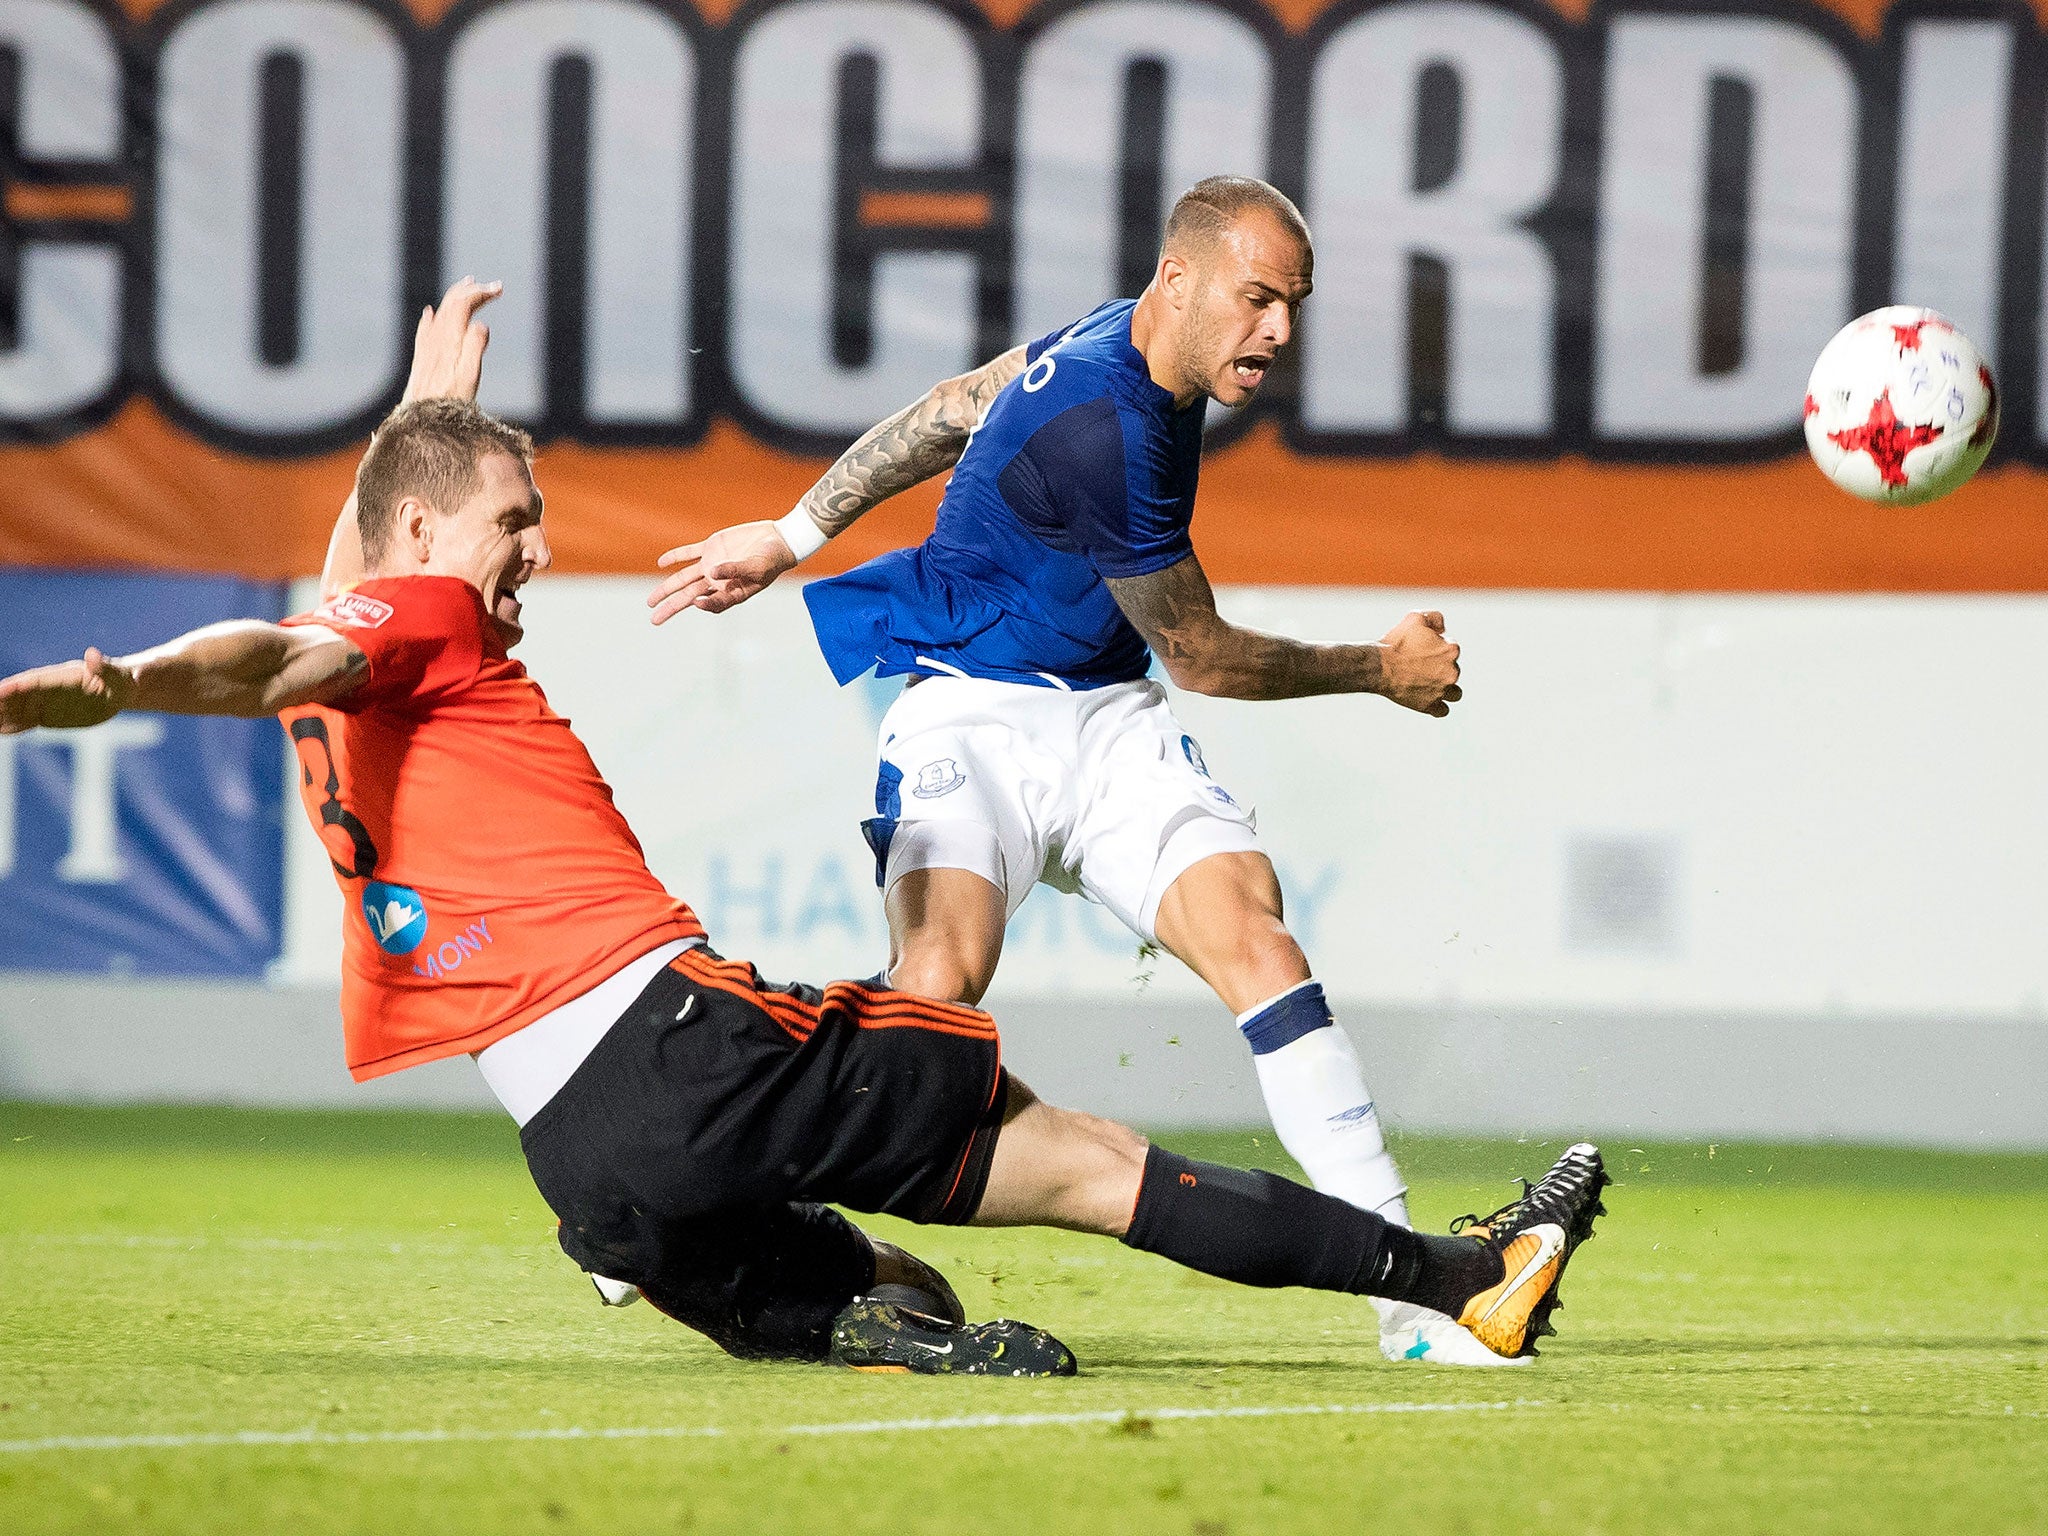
[(1081, 469)]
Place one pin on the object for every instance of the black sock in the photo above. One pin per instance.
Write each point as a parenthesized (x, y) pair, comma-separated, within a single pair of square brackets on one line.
[(1438, 1272), (1260, 1229)]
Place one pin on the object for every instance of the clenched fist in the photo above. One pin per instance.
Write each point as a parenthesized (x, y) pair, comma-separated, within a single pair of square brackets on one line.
[(1419, 667)]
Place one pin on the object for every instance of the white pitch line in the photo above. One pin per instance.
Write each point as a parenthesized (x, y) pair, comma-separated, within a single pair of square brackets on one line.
[(295, 1437)]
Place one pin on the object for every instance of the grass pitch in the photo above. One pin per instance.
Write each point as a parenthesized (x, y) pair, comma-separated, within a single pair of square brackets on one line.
[(304, 1323)]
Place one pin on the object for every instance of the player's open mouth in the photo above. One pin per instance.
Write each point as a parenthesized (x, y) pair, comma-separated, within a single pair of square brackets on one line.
[(1250, 371)]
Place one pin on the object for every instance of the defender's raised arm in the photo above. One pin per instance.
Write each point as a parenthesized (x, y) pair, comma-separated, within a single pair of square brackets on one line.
[(244, 668), (247, 668), (447, 364), (919, 441)]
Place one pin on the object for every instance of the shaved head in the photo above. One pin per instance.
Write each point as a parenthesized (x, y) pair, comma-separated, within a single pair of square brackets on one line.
[(1208, 210), (1233, 272)]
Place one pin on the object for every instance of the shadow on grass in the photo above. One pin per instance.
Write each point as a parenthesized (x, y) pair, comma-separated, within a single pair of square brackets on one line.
[(1920, 1345), (1126, 1361), (698, 1371)]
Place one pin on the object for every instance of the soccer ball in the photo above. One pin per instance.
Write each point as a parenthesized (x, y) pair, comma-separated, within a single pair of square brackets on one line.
[(1901, 407)]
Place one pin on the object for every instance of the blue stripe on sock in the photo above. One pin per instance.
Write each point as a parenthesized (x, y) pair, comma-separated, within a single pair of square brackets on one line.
[(1295, 1015)]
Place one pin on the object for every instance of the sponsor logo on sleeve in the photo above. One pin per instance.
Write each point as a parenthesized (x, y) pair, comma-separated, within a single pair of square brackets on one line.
[(353, 610)]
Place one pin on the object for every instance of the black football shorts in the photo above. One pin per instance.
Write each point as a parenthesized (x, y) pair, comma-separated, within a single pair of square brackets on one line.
[(693, 1149)]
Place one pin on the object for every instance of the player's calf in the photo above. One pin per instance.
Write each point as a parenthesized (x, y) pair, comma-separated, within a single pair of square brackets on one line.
[(1259, 1229), (1060, 1168), (1223, 917)]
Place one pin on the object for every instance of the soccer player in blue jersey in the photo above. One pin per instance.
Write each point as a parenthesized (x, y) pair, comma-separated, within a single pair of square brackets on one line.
[(1029, 743)]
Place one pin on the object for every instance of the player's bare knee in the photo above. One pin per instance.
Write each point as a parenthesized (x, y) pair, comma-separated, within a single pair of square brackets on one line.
[(1261, 958), (939, 974), (945, 965), (945, 933), (1119, 1145), (1127, 1150), (1278, 958), (1108, 1167)]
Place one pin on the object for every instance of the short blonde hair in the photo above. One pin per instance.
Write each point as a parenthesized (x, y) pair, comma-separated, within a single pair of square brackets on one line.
[(432, 449)]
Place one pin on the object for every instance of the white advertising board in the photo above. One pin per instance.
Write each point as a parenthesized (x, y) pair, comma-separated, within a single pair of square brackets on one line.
[(1766, 804)]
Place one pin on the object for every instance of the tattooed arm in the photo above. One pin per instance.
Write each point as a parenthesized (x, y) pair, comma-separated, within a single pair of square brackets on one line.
[(919, 441), (1203, 652), (916, 443)]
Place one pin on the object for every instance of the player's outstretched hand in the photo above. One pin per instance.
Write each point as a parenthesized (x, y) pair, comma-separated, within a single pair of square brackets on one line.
[(722, 572), (1419, 666), (448, 347), (64, 697)]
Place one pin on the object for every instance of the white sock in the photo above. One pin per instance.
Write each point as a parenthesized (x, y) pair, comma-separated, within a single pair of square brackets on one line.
[(1316, 1097)]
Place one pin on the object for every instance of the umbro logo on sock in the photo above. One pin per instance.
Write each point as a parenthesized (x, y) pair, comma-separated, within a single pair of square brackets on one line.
[(1353, 1115)]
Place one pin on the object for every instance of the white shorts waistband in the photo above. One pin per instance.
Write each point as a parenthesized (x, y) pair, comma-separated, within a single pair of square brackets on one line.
[(529, 1066)]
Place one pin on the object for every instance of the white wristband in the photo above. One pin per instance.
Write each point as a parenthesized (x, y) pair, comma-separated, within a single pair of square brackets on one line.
[(804, 537)]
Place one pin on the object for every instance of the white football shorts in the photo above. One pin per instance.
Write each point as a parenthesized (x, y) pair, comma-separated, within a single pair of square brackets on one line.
[(1098, 791)]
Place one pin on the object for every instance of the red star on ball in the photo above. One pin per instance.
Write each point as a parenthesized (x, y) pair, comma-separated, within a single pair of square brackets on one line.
[(1886, 439), (1908, 336)]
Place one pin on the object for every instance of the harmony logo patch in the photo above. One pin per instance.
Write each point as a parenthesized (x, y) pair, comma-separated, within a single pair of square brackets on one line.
[(939, 778), (396, 915), (453, 952)]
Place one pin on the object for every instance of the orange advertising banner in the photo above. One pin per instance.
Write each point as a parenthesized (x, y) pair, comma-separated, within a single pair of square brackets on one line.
[(1573, 265)]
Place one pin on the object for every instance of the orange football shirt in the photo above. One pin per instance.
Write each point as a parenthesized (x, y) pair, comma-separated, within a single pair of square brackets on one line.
[(486, 874)]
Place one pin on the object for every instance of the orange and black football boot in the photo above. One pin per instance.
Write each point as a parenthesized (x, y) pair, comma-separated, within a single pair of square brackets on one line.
[(1535, 1237)]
